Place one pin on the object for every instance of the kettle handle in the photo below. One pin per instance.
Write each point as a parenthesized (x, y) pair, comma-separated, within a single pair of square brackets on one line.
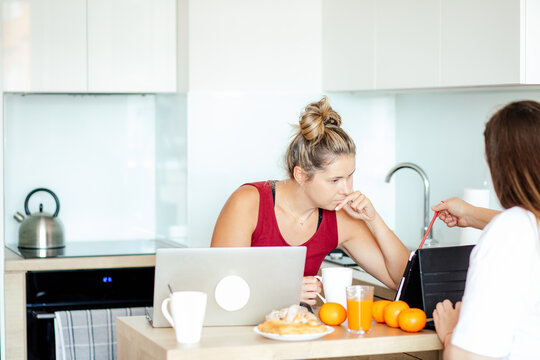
[(27, 211)]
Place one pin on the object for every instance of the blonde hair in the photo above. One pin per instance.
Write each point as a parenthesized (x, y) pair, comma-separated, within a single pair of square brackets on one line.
[(319, 139)]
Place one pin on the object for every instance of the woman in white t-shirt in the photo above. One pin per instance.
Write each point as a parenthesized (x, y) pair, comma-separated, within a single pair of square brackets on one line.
[(499, 316)]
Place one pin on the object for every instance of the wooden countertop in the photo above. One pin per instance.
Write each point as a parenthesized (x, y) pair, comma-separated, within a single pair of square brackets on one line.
[(14, 262), (137, 339)]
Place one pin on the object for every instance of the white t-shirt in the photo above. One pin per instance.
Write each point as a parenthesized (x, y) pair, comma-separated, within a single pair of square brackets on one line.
[(500, 314)]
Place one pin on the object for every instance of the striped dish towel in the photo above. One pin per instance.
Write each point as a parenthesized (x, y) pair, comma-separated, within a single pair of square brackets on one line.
[(89, 334)]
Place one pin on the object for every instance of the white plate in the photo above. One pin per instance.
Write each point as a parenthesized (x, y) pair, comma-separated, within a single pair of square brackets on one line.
[(295, 337)]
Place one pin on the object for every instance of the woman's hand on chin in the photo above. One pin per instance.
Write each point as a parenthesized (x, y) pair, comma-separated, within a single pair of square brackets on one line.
[(358, 206)]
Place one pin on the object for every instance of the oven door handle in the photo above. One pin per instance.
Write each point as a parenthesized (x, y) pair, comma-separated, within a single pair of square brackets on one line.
[(41, 315)]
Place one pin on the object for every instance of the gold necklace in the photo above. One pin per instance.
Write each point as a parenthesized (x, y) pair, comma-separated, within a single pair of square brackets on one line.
[(298, 218)]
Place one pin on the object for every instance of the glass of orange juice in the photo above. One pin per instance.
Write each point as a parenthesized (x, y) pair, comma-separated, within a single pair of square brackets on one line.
[(359, 304)]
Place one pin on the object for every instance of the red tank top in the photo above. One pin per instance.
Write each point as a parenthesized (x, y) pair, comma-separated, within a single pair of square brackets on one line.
[(267, 231)]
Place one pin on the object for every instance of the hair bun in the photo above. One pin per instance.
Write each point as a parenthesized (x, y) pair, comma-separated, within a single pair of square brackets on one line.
[(316, 118)]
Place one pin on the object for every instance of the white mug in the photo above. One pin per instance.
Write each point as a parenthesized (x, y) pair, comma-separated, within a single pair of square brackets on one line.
[(335, 281), (187, 314)]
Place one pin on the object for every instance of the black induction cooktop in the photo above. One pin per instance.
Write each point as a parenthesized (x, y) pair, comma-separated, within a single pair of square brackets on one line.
[(96, 248)]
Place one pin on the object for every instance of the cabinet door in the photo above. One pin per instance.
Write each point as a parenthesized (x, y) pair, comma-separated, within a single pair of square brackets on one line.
[(44, 45), (131, 46), (530, 46), (407, 43), (348, 47), (480, 42)]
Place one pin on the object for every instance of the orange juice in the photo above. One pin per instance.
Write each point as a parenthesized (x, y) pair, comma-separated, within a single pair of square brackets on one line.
[(359, 315)]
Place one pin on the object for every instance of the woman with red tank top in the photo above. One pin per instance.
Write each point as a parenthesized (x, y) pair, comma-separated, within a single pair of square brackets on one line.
[(315, 207)]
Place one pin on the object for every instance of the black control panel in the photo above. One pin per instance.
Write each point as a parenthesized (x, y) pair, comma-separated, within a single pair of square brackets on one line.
[(67, 288)]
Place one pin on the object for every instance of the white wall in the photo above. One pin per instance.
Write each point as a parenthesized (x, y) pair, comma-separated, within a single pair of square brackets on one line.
[(443, 133)]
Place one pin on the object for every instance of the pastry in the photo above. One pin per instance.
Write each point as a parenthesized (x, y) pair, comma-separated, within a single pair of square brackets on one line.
[(295, 319)]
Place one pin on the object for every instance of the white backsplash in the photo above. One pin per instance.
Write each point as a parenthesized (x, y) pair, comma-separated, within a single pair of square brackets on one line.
[(443, 133), (98, 153), (171, 167)]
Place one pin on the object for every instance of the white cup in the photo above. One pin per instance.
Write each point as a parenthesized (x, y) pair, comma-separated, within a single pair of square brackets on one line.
[(335, 281), (187, 314)]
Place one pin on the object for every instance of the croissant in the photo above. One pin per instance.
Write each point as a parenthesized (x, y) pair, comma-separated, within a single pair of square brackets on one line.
[(294, 319)]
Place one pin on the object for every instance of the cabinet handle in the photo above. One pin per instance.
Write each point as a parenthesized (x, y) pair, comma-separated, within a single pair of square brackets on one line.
[(42, 315)]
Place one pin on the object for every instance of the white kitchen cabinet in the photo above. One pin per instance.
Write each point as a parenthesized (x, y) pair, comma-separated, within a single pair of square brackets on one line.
[(487, 42), (246, 45), (131, 46), (380, 44), (430, 44), (407, 37), (348, 43), (44, 45), (95, 46)]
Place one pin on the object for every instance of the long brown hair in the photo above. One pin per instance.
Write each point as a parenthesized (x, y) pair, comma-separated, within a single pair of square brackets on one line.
[(319, 139), (512, 139)]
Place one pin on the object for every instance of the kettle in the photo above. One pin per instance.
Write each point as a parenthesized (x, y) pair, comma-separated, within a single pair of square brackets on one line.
[(40, 230)]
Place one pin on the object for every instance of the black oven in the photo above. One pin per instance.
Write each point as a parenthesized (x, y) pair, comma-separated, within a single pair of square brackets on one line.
[(50, 291)]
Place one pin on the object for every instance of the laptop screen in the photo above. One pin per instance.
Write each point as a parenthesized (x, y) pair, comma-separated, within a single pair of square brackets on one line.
[(243, 284)]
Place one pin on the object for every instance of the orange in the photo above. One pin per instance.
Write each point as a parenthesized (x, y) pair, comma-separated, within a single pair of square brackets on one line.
[(332, 313), (378, 310), (391, 312), (412, 320)]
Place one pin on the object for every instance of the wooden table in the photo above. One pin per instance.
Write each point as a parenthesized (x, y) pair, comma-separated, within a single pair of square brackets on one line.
[(137, 339)]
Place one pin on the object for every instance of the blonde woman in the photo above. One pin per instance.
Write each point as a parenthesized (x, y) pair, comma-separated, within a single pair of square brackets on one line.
[(499, 317), (315, 207)]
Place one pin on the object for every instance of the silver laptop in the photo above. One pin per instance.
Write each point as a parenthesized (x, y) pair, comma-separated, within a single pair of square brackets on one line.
[(243, 284)]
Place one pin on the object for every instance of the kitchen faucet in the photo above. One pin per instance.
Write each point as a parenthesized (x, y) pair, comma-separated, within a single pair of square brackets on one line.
[(425, 179)]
